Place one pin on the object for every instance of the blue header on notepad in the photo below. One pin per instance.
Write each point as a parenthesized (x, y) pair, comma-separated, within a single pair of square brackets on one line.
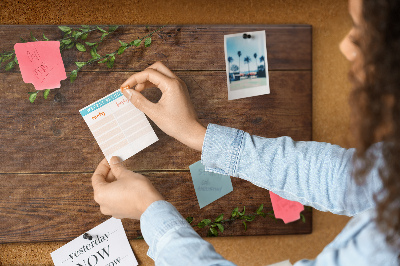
[(100, 103)]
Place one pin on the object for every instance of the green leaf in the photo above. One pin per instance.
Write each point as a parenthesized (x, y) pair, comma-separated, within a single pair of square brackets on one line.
[(242, 213), (147, 42), (33, 37), (32, 96), (245, 226), (303, 218), (7, 56), (220, 227), (112, 28), (219, 218), (80, 47), (249, 218), (100, 29), (16, 59), (85, 26), (200, 225), (46, 93), (189, 220), (213, 231), (80, 64), (70, 45), (45, 38), (64, 28), (136, 42), (90, 43), (110, 61), (260, 208), (103, 61), (22, 40), (206, 221), (94, 53), (77, 35), (10, 66), (67, 41), (84, 36), (73, 75), (104, 35), (121, 50), (235, 212), (123, 43)]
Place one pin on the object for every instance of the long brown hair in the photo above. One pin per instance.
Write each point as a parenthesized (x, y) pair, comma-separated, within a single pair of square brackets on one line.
[(375, 103)]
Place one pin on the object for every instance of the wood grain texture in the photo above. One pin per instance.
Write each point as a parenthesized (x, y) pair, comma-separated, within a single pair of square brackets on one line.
[(31, 130), (179, 47), (48, 153), (55, 207)]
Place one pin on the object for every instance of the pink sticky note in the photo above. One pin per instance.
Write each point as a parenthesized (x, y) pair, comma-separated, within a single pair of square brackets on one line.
[(284, 209), (41, 64)]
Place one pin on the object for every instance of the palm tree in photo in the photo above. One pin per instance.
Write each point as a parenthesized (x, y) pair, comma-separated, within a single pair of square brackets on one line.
[(230, 60), (262, 60), (255, 57), (247, 60), (239, 54), (262, 74)]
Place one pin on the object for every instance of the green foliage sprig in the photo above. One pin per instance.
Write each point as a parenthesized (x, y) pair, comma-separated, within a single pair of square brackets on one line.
[(218, 223), (76, 37)]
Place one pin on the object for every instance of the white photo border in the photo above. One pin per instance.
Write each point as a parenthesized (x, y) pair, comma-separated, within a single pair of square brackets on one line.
[(247, 92)]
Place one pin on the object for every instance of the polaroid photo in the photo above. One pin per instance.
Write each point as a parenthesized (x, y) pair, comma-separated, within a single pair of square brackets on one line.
[(246, 64)]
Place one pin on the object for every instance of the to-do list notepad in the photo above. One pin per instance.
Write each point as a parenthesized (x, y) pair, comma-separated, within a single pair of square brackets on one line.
[(118, 126)]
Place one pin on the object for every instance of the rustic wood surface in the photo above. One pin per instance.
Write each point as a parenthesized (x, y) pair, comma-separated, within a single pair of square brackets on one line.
[(51, 207), (48, 152)]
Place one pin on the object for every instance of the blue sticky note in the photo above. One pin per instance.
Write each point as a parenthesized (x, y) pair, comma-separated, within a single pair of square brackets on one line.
[(209, 186)]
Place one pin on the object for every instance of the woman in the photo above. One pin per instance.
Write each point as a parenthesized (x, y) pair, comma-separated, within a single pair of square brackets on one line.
[(360, 182)]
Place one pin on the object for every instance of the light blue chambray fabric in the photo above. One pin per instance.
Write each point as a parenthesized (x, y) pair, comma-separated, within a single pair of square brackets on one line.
[(312, 173)]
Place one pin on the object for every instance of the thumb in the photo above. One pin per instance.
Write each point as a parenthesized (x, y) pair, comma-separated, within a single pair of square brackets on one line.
[(139, 101), (117, 168)]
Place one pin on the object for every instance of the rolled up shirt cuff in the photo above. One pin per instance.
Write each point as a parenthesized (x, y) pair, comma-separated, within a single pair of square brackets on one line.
[(221, 149)]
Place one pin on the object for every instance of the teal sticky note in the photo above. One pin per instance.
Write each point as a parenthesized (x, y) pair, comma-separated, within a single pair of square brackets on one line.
[(209, 186)]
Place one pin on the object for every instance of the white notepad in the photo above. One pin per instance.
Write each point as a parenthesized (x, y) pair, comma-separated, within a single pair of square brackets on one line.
[(118, 126), (108, 246)]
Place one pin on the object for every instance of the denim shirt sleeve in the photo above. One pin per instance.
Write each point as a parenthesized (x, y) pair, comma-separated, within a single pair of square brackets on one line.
[(172, 241), (312, 173)]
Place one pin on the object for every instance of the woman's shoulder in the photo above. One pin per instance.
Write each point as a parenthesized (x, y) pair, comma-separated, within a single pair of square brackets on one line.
[(362, 240)]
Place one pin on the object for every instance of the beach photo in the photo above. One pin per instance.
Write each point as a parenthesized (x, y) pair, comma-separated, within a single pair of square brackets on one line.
[(246, 64)]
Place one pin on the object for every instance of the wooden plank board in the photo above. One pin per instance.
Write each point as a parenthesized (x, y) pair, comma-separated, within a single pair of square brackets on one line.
[(180, 47), (34, 129), (49, 154), (55, 207)]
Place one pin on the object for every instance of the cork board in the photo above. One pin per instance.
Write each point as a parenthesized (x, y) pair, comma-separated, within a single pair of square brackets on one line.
[(330, 22)]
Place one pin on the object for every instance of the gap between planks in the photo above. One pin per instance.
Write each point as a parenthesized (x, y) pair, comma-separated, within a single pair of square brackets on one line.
[(73, 173)]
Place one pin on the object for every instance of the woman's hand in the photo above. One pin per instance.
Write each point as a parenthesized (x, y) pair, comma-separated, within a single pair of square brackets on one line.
[(120, 192), (173, 113)]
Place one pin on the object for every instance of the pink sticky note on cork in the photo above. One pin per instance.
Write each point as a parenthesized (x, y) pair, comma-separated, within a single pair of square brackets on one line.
[(288, 211), (41, 64)]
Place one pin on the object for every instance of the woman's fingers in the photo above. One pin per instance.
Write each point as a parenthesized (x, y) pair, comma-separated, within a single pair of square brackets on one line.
[(100, 174), (160, 67), (159, 80)]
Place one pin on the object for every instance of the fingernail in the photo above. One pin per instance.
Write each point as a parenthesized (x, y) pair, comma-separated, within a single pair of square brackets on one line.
[(129, 92), (115, 160), (125, 88)]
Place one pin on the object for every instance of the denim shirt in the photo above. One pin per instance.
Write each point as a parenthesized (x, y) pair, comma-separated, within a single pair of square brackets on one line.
[(312, 173)]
